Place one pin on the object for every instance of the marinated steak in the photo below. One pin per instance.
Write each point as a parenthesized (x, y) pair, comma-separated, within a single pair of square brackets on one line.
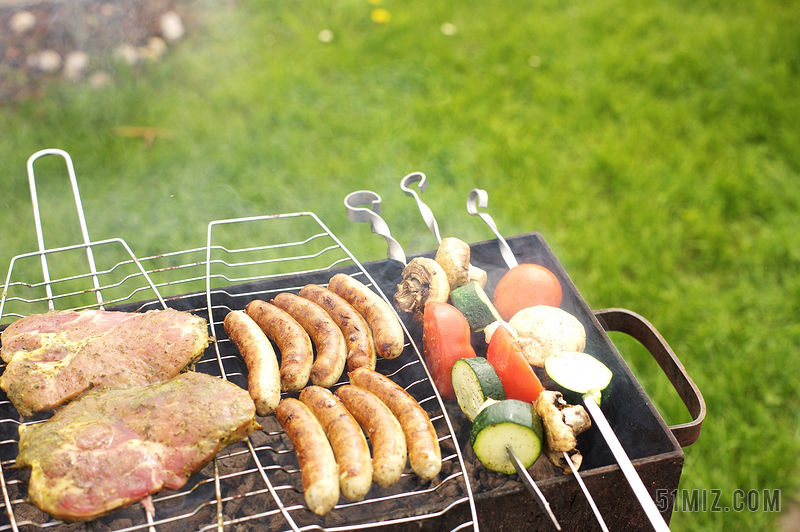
[(112, 447), (54, 357)]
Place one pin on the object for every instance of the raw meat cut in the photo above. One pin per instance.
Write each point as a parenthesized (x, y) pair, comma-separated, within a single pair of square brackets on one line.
[(54, 357), (113, 447)]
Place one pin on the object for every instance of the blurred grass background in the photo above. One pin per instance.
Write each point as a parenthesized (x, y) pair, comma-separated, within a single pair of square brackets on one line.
[(655, 145)]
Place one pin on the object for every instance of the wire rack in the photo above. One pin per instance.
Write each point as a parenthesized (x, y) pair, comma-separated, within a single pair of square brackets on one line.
[(255, 484)]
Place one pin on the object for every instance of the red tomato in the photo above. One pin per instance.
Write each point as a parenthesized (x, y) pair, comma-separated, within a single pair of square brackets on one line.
[(523, 286), (445, 339), (519, 380)]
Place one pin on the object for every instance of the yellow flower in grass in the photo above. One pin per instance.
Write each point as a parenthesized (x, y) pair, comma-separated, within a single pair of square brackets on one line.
[(380, 15)]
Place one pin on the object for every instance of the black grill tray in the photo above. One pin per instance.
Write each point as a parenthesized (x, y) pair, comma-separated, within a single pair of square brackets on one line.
[(503, 504)]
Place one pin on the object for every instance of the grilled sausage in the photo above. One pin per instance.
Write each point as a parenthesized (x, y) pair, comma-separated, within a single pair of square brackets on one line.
[(389, 449), (263, 377), (357, 334), (349, 444), (314, 454), (423, 444), (386, 330), (324, 333), (292, 340)]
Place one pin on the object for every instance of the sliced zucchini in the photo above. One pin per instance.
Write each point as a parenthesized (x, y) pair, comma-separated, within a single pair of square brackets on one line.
[(475, 381), (473, 302), (510, 422), (578, 374)]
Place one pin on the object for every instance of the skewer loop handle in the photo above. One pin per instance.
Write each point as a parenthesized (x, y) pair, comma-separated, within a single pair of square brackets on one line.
[(425, 211), (479, 198), (354, 202)]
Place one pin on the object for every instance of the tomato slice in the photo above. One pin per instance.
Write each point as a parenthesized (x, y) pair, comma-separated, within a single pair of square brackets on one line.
[(445, 338), (519, 380)]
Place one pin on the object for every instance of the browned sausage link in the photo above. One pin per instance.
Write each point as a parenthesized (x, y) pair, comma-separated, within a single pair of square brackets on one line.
[(349, 444), (423, 444), (389, 450), (293, 343), (324, 333), (263, 379), (386, 330), (357, 335), (314, 455)]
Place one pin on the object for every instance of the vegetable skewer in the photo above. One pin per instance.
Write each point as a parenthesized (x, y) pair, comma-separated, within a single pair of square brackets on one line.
[(508, 255), (479, 198)]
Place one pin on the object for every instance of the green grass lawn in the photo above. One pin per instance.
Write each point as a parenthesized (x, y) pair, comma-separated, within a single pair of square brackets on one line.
[(655, 145)]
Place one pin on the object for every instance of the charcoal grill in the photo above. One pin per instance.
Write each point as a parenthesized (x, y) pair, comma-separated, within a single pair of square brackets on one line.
[(255, 485)]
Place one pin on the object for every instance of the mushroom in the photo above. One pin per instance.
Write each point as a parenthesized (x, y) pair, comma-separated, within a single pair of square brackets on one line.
[(453, 256), (558, 460), (423, 280), (478, 275), (489, 330), (562, 423), (544, 330)]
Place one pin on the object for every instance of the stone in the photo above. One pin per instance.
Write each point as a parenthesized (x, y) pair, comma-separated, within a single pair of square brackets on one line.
[(75, 65), (171, 26), (48, 61), (127, 53), (155, 49), (22, 22)]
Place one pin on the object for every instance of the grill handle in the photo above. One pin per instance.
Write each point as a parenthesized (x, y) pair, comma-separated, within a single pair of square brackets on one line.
[(81, 219), (636, 326)]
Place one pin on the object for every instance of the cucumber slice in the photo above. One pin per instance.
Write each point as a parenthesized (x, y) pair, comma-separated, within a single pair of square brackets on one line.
[(510, 422), (577, 374), (473, 302), (475, 381)]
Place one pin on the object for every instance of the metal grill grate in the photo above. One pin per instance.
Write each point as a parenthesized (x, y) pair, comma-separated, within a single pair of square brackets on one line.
[(256, 484)]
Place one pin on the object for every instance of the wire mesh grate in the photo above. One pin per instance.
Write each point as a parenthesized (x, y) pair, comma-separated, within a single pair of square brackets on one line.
[(255, 484)]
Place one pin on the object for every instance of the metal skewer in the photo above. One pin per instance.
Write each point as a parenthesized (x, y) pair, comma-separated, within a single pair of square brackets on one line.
[(586, 492), (635, 482), (526, 479), (356, 213), (430, 221), (479, 198), (425, 211)]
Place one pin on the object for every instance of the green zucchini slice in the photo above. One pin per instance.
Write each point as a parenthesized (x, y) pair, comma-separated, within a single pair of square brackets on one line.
[(475, 381), (510, 422), (578, 374), (475, 305)]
